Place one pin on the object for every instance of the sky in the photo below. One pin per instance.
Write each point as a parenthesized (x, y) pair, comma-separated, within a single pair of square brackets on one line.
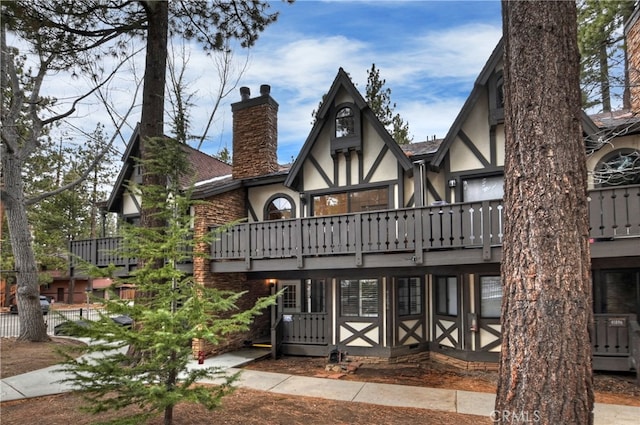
[(429, 53)]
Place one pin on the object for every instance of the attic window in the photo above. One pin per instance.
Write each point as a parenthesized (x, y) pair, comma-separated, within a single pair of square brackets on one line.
[(345, 122)]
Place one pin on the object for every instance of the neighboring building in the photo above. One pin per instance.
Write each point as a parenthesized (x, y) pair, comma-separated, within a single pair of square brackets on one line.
[(391, 251)]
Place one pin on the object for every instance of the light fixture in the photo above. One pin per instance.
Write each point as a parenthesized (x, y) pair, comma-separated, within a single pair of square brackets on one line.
[(453, 183), (271, 282)]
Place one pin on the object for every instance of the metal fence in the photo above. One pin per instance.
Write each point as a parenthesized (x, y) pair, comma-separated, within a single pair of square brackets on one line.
[(10, 323)]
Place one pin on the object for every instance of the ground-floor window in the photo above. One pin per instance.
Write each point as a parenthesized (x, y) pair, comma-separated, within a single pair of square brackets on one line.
[(490, 296), (359, 297), (619, 292), (447, 295), (409, 296)]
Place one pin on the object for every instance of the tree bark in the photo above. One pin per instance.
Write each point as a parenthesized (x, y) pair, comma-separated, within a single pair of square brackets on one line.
[(32, 325), (545, 372), (152, 118)]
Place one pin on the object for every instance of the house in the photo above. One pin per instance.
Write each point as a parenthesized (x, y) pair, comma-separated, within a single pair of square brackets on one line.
[(394, 251)]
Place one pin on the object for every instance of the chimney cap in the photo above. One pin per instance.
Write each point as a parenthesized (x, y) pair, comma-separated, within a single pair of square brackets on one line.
[(265, 89), (245, 93)]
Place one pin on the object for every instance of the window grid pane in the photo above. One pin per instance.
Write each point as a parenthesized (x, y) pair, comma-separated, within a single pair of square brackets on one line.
[(490, 296), (359, 298), (349, 297), (369, 298)]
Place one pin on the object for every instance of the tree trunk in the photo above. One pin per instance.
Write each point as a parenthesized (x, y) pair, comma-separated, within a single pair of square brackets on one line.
[(32, 325), (545, 373), (605, 92), (152, 119)]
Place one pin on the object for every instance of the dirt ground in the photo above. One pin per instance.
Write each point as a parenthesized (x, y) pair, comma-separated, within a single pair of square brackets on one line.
[(256, 407)]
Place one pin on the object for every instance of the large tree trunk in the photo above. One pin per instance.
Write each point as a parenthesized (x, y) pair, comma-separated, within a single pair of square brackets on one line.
[(545, 373), (32, 325), (152, 119)]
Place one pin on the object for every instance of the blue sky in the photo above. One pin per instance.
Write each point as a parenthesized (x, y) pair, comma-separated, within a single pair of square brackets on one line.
[(429, 53)]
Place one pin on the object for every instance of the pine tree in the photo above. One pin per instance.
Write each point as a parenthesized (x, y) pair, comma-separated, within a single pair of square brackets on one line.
[(602, 51), (170, 310), (379, 99), (545, 372)]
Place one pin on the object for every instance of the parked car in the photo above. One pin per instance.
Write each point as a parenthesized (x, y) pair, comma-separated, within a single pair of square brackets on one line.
[(74, 328), (44, 305)]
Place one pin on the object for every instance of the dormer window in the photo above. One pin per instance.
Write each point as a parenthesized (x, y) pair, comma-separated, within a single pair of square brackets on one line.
[(347, 133), (345, 122)]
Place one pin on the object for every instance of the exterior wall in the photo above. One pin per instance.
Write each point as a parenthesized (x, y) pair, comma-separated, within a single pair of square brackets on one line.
[(217, 211), (53, 290), (321, 153), (477, 129), (129, 207), (258, 197)]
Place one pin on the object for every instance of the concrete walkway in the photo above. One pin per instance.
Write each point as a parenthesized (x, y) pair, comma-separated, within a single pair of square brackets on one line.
[(43, 382)]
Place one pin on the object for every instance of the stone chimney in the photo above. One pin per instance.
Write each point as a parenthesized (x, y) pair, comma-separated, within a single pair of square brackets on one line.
[(255, 134), (632, 35)]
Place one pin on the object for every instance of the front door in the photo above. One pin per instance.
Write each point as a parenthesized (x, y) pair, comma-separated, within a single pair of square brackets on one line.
[(291, 297)]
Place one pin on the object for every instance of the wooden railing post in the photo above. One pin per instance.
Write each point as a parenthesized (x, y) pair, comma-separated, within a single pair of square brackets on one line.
[(417, 237), (486, 231), (299, 257), (246, 238), (358, 242)]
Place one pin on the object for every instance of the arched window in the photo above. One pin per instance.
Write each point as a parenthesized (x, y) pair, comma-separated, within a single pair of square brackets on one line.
[(618, 168), (279, 207), (345, 122)]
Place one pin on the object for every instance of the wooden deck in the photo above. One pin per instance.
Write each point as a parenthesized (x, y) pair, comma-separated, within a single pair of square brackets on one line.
[(462, 233)]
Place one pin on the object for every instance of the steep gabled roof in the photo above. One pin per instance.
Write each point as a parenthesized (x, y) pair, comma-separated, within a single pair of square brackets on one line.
[(203, 168), (588, 126), (478, 86), (343, 81)]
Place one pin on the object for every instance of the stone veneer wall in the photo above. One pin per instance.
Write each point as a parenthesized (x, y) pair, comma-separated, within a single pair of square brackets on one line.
[(633, 57), (219, 210), (255, 136)]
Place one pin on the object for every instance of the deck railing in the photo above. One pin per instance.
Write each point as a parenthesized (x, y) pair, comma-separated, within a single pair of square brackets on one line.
[(613, 213)]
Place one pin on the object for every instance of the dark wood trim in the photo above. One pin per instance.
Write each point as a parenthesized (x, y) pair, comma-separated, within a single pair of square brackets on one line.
[(493, 146), (318, 168), (347, 165), (376, 164), (474, 149)]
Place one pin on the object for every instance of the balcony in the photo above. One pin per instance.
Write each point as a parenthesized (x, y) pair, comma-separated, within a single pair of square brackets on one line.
[(462, 233)]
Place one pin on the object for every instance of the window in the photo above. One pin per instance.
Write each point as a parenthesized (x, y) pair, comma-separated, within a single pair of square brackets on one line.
[(619, 168), (359, 297), (409, 296), (345, 122), (482, 189), (447, 295), (346, 202), (278, 208), (290, 297), (621, 292), (490, 296)]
